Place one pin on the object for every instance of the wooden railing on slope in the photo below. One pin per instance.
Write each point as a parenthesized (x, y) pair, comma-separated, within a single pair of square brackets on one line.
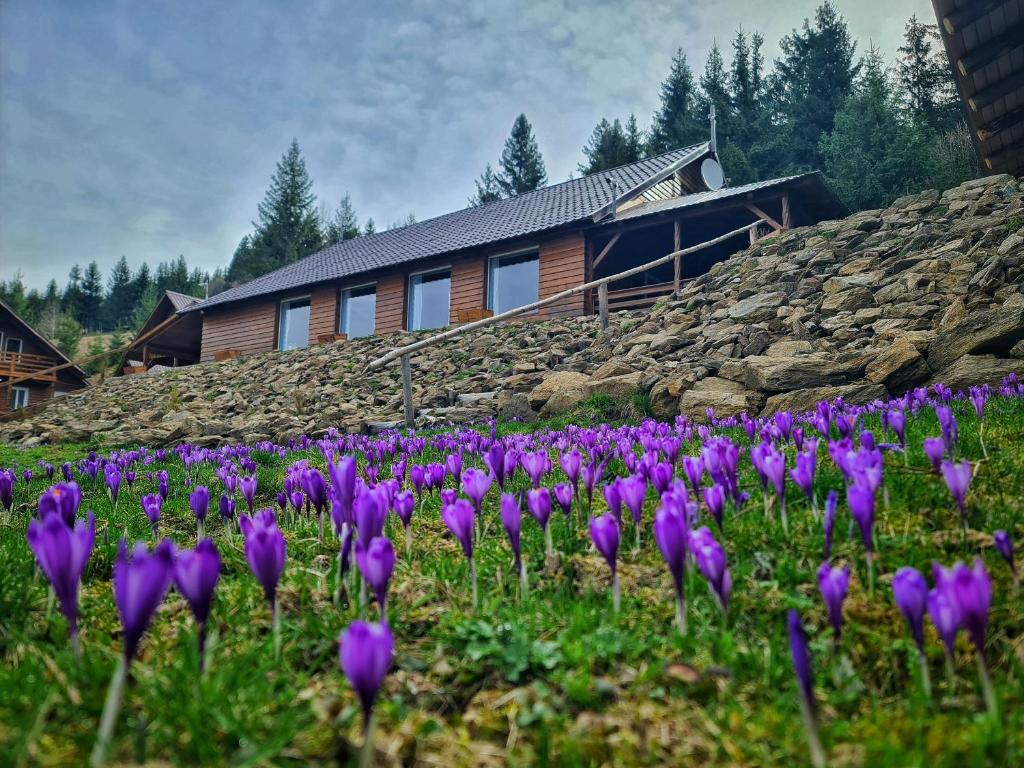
[(601, 285)]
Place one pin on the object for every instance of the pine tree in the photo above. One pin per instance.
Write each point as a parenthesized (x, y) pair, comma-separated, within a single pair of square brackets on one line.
[(342, 224), (714, 90), (141, 284), (119, 301), (874, 154), (812, 79), (90, 312), (370, 228), (287, 227), (676, 123), (67, 335), (522, 167), (746, 89), (487, 188), (144, 307), (72, 299), (611, 146), (924, 79)]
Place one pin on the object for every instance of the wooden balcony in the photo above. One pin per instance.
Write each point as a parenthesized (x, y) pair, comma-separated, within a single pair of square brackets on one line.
[(636, 298), (15, 365)]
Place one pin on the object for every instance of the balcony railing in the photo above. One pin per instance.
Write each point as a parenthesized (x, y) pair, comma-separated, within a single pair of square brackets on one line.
[(22, 364)]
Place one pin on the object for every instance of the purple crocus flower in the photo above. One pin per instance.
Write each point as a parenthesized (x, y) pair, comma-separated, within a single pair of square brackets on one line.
[(563, 495), (112, 478), (538, 501), (475, 484), (512, 521), (403, 504), (151, 505), (265, 550), (495, 460), (693, 468), (315, 487), (800, 653), (958, 479), (934, 449), (613, 499), (633, 492), (140, 580), (199, 501), (366, 652), (714, 499), (1004, 546), (417, 476), (861, 500), (453, 465), (226, 507), (63, 500), (803, 477), (195, 574), (948, 426), (897, 420), (604, 532), (571, 464), (943, 608), (163, 484), (376, 562), (248, 487), (536, 465), (833, 584), (62, 553), (972, 589), (910, 591), (458, 517), (710, 559), (370, 511), (7, 480), (670, 534)]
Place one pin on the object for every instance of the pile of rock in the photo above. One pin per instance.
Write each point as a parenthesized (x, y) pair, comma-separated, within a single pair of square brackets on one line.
[(929, 289)]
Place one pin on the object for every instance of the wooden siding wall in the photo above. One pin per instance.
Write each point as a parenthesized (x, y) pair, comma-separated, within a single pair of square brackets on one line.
[(390, 303), (468, 278), (323, 311), (562, 266), (246, 326)]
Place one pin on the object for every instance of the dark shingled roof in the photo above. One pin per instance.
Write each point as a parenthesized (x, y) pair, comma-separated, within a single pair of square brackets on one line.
[(519, 216)]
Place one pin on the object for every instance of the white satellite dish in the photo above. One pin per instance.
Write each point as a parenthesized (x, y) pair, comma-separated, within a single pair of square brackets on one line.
[(711, 172)]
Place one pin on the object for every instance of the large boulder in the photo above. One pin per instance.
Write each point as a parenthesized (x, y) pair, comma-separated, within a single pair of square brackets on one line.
[(977, 369), (899, 367), (781, 374), (802, 400), (559, 382), (987, 331), (760, 306), (727, 398), (616, 387)]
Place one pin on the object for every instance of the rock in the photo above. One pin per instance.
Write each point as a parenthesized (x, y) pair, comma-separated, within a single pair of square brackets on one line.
[(780, 374), (726, 398), (760, 306), (802, 400), (559, 382), (995, 330), (898, 367), (788, 348), (847, 301), (1018, 350), (514, 406), (977, 369), (611, 368), (617, 388)]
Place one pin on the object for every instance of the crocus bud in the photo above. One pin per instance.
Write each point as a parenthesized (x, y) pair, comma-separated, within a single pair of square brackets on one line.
[(910, 591), (140, 580), (195, 574), (62, 554), (265, 549), (366, 652), (833, 584), (376, 561)]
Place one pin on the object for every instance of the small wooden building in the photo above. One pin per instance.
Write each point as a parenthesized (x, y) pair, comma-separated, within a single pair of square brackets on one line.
[(985, 43), (26, 360), (465, 265), (167, 339)]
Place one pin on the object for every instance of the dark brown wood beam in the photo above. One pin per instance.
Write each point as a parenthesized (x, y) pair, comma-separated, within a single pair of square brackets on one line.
[(995, 91), (677, 245), (1005, 160), (786, 219), (761, 214), (991, 50), (1002, 123), (608, 247), (959, 19)]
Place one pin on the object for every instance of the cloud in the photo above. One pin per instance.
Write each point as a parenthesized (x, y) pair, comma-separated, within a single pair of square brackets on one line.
[(152, 130)]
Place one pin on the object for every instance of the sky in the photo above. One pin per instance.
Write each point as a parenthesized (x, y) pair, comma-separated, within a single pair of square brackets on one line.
[(152, 129)]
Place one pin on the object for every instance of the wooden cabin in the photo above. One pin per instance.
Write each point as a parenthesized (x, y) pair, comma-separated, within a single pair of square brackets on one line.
[(166, 339), (984, 40), (26, 362), (487, 259)]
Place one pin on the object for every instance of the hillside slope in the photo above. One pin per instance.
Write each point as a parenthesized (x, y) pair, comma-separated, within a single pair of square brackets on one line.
[(929, 289)]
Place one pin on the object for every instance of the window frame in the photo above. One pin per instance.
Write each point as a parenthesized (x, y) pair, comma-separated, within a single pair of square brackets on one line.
[(535, 250), (282, 315), (21, 345), (408, 296), (341, 307), (14, 391)]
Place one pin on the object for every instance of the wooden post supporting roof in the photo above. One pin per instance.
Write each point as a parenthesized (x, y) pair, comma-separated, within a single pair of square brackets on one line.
[(677, 238), (606, 249), (761, 214), (786, 221)]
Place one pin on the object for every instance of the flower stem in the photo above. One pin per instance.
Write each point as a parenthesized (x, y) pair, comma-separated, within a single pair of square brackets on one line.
[(472, 578), (681, 613), (871, 572), (817, 753), (523, 588), (110, 709), (616, 593), (366, 753), (782, 514), (926, 680), (408, 542), (549, 546), (986, 687), (276, 610)]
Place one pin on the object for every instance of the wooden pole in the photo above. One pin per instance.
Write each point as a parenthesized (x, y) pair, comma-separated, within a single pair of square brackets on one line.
[(410, 412), (677, 242), (753, 235), (602, 305), (785, 212)]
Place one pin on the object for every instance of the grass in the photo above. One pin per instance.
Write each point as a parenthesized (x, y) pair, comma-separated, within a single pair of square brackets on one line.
[(555, 680)]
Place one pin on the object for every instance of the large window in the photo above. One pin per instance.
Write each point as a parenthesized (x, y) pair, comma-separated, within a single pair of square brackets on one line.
[(512, 281), (293, 331), (429, 296), (19, 397), (358, 311)]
